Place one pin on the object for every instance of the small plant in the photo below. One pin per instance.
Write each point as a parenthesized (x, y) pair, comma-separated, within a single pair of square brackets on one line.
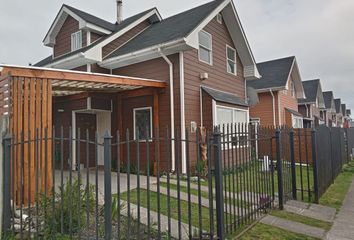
[(70, 203)]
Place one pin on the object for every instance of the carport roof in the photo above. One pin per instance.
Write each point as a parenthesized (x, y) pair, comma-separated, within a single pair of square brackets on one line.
[(65, 82)]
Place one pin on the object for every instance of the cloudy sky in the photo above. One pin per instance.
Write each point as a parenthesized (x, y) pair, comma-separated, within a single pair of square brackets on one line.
[(319, 33)]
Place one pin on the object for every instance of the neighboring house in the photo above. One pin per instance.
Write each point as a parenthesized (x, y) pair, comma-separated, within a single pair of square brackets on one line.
[(202, 55), (339, 112), (278, 91), (329, 113), (311, 106), (346, 117)]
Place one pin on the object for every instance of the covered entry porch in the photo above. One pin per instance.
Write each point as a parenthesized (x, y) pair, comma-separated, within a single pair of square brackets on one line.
[(38, 99)]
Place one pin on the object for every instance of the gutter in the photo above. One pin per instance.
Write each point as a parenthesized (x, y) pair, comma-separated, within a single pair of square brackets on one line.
[(172, 105), (141, 52), (273, 98)]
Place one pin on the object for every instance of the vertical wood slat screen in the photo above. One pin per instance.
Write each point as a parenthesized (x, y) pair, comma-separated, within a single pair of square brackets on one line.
[(4, 95), (31, 110)]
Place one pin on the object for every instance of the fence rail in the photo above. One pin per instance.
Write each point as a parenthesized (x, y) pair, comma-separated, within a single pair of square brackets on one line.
[(121, 187)]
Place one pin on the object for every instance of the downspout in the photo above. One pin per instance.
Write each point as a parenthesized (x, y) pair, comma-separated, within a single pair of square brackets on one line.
[(273, 98), (183, 115), (279, 110), (172, 104)]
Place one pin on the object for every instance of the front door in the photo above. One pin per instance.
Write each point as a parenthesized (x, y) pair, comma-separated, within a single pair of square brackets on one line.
[(84, 122)]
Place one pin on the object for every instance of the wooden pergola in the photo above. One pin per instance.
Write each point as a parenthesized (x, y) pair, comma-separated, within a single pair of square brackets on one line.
[(26, 95)]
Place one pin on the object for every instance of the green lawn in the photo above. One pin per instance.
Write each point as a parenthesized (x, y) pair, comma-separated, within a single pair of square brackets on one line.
[(301, 219), (336, 193), (265, 232), (173, 208)]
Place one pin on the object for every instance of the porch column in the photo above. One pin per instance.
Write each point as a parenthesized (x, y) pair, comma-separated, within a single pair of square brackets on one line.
[(156, 111)]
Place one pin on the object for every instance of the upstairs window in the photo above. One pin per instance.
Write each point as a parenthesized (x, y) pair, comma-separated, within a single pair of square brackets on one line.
[(76, 41), (205, 47), (292, 89), (231, 60), (219, 18), (143, 123)]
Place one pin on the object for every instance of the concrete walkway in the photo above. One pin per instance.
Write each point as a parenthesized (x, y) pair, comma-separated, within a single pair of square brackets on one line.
[(315, 211), (294, 227), (343, 227)]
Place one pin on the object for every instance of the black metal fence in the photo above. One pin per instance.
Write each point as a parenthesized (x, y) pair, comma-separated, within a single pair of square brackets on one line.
[(121, 187)]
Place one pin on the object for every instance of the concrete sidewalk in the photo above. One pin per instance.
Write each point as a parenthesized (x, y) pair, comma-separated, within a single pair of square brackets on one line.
[(343, 227)]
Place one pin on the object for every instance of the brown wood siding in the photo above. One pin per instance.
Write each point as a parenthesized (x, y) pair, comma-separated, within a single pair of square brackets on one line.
[(95, 36), (95, 68), (264, 109), (218, 77), (63, 39), (159, 69), (118, 42)]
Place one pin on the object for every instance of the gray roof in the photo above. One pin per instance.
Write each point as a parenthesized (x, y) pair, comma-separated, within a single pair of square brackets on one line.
[(169, 29), (338, 103), (274, 73), (117, 28), (344, 108), (92, 19), (224, 97), (294, 112), (311, 88), (328, 97)]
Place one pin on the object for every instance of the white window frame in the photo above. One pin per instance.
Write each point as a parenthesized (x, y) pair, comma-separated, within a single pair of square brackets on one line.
[(219, 18), (215, 120), (234, 61), (296, 118), (78, 44), (210, 50), (134, 121)]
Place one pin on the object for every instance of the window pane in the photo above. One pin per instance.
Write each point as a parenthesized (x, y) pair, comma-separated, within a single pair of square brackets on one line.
[(240, 116), (230, 66), (204, 55), (142, 124), (231, 54), (204, 39), (224, 116)]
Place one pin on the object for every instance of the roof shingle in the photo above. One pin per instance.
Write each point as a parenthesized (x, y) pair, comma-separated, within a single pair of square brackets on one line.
[(311, 88), (274, 73), (169, 29)]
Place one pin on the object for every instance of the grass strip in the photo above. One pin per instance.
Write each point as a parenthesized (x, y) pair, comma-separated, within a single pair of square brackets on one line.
[(301, 219), (336, 193), (264, 232)]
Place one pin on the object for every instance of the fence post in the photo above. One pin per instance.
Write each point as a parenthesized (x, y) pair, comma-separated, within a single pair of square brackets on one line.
[(293, 165), (6, 185), (107, 186), (218, 184), (315, 169), (279, 170)]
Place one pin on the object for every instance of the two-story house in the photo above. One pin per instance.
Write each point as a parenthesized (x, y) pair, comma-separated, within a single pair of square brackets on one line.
[(339, 113), (278, 91), (329, 113), (311, 106), (201, 54)]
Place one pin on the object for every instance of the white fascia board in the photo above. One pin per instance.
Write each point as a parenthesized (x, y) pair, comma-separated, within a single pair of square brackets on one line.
[(109, 39), (238, 36), (71, 62), (144, 54), (49, 39), (297, 80), (95, 28), (276, 89), (192, 38)]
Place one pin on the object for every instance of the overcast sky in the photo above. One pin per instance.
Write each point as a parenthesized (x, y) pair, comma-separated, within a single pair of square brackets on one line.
[(320, 33)]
